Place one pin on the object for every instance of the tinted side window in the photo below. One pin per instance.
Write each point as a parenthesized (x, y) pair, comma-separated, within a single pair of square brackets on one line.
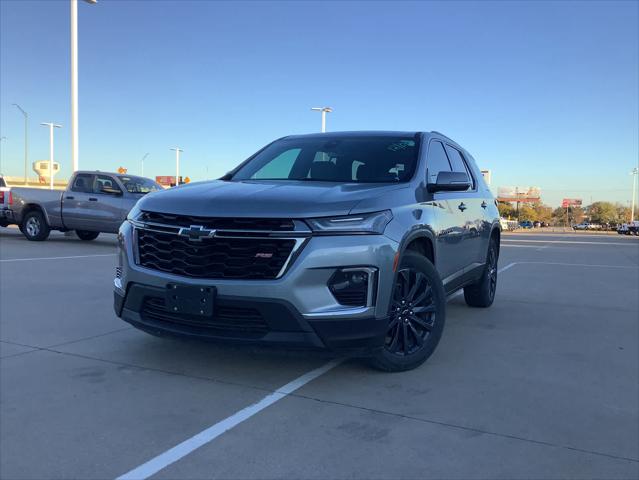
[(437, 161), (458, 163), (83, 183)]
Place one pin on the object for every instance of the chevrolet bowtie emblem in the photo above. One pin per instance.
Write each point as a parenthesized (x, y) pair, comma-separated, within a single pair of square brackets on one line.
[(196, 233)]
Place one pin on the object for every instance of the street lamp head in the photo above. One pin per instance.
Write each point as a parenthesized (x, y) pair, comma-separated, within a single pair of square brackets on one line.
[(92, 2), (322, 109)]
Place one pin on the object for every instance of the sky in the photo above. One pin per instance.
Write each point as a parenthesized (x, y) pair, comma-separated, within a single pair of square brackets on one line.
[(541, 93)]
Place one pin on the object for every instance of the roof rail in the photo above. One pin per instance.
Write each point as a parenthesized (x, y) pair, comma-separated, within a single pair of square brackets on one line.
[(442, 135)]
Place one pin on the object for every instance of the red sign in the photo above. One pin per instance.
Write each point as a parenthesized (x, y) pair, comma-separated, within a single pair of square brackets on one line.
[(167, 180), (571, 202)]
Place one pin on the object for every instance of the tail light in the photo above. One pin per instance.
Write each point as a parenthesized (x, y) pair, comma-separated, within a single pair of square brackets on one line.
[(9, 197)]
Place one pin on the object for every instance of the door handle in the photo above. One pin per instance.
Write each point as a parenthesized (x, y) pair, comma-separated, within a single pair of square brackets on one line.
[(69, 197), (93, 199), (484, 204), (462, 206)]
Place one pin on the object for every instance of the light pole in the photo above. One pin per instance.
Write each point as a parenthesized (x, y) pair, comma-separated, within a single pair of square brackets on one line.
[(177, 164), (51, 127), (74, 81), (143, 158), (324, 111), (1, 157), (634, 173), (26, 141)]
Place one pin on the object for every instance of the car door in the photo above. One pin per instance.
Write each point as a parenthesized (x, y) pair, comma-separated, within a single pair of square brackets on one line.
[(107, 204), (75, 202), (450, 248), (474, 208)]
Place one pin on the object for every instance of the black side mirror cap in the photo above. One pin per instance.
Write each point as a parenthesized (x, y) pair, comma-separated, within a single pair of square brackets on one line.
[(450, 182)]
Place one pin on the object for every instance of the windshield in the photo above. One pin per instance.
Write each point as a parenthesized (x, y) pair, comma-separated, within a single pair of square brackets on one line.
[(139, 184), (366, 159)]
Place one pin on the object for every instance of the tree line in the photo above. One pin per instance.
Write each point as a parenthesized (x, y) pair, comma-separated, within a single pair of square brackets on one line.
[(597, 212)]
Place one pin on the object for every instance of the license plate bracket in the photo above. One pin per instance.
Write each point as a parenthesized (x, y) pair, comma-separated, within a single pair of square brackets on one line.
[(190, 299)]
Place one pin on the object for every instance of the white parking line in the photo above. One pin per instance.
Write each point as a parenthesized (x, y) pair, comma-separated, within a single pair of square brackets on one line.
[(56, 258), (582, 265), (181, 450), (568, 241), (502, 269)]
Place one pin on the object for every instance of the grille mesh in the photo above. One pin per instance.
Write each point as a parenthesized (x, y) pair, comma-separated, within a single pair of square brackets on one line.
[(236, 258)]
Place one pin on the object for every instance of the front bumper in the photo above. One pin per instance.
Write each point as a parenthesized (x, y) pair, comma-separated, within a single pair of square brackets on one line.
[(297, 309)]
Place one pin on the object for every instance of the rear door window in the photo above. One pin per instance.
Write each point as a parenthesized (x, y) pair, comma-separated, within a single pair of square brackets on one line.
[(437, 161), (83, 183), (459, 164)]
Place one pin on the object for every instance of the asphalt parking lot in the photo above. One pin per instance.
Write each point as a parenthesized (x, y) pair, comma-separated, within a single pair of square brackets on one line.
[(545, 384)]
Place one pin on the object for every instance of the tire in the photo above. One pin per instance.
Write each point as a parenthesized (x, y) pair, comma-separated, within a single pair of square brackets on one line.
[(482, 293), (413, 335), (34, 226), (86, 235)]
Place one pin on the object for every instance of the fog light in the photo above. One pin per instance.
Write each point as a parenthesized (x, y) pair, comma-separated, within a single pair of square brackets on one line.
[(353, 286)]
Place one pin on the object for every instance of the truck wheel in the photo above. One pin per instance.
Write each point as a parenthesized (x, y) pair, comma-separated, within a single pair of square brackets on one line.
[(417, 316), (34, 226), (482, 293), (86, 235)]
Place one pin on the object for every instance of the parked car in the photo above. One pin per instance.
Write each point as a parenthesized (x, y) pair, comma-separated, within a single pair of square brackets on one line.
[(6, 201), (341, 241), (93, 202), (587, 226), (631, 228), (526, 224), (537, 224)]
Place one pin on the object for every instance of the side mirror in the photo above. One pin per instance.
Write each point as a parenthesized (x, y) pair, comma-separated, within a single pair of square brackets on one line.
[(450, 182)]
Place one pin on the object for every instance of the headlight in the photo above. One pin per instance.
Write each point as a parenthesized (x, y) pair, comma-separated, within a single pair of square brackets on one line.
[(134, 213), (364, 223)]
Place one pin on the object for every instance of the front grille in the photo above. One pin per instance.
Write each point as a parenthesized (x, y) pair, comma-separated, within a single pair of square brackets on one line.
[(223, 257), (220, 223), (226, 321)]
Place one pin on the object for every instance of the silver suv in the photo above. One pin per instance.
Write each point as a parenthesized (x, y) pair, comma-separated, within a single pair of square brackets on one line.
[(345, 240)]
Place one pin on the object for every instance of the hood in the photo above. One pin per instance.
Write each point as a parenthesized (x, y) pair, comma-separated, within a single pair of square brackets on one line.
[(283, 199)]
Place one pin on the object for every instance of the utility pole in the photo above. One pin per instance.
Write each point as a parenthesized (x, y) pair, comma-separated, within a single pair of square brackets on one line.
[(143, 158), (74, 82), (634, 173), (324, 111), (51, 127), (177, 164), (26, 141), (1, 157)]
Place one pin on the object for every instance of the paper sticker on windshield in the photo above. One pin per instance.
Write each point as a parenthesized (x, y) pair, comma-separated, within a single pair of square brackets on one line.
[(401, 145)]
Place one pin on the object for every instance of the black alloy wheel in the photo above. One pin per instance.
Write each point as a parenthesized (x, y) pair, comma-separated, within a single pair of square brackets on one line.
[(482, 293), (416, 317), (413, 313)]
